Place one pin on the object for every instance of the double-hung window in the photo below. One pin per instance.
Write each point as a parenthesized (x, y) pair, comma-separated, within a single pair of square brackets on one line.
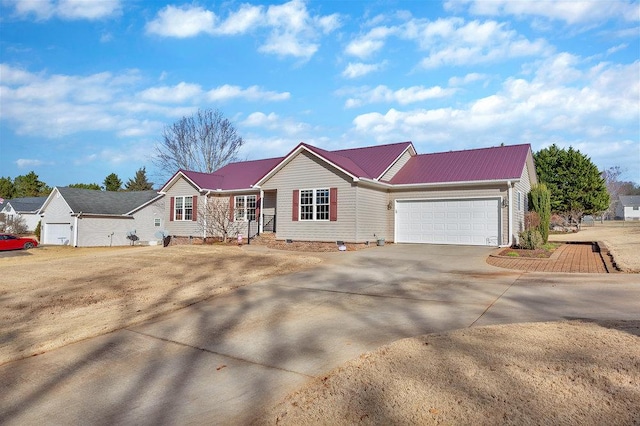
[(314, 204), (245, 207), (183, 208)]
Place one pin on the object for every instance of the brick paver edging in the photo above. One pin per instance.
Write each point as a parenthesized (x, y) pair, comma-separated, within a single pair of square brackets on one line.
[(569, 257)]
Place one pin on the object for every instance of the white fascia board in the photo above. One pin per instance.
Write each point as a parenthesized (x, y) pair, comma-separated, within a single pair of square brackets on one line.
[(174, 178), (290, 157), (145, 204), (409, 147), (437, 184)]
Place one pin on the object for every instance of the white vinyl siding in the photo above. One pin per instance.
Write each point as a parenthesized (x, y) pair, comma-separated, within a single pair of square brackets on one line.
[(389, 174), (521, 190), (182, 228), (303, 172), (373, 213)]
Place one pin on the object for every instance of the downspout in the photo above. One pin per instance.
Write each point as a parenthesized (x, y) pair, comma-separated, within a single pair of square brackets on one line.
[(510, 200), (75, 230), (260, 219), (204, 212)]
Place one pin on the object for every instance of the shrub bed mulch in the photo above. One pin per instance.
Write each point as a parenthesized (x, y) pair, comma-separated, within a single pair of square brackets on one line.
[(542, 253)]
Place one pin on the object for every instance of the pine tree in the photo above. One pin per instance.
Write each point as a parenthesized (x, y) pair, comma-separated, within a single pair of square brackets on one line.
[(112, 183), (140, 182)]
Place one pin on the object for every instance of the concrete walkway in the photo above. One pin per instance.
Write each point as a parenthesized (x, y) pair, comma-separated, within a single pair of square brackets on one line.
[(572, 258), (225, 360)]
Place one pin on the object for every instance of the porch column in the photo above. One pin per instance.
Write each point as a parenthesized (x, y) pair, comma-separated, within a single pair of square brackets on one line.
[(261, 218)]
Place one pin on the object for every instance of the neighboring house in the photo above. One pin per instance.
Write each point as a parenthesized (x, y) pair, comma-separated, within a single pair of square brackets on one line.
[(86, 218), (28, 208), (629, 207), (471, 197)]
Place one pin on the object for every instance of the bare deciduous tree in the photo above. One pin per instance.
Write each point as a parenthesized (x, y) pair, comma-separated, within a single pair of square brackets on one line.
[(214, 219), (203, 142), (14, 224)]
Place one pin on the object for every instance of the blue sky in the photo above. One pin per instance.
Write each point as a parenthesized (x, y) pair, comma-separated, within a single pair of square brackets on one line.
[(86, 87)]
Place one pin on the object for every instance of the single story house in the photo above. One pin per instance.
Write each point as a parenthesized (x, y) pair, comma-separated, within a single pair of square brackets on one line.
[(360, 195), (26, 207), (629, 207), (90, 218)]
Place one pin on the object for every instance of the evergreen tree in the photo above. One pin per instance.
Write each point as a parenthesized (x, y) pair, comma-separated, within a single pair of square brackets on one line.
[(30, 185), (112, 183), (140, 182), (7, 188), (540, 202), (93, 186), (575, 184)]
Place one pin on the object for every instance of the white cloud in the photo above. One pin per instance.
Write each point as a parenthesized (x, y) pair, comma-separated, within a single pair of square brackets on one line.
[(252, 93), (57, 105), (451, 41), (560, 102), (467, 79), (67, 9), (273, 122), (179, 93), (244, 20), (182, 22), (367, 45), (290, 29), (25, 162), (402, 96), (358, 69), (571, 12)]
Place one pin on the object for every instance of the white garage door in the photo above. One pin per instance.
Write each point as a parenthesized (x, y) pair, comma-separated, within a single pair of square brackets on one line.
[(57, 233), (466, 222)]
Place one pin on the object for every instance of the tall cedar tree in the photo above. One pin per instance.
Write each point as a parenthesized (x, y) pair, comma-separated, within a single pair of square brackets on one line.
[(112, 183), (203, 142), (140, 182), (540, 202), (575, 184)]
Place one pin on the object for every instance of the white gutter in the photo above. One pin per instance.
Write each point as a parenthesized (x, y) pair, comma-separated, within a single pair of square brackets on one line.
[(75, 229), (260, 219), (434, 184), (510, 219)]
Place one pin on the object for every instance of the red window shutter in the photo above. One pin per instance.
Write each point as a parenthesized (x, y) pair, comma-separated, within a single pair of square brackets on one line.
[(172, 204), (231, 207), (333, 204), (258, 208), (296, 203), (194, 214)]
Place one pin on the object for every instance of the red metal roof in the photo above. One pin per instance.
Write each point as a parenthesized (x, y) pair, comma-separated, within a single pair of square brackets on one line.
[(240, 175), (497, 163)]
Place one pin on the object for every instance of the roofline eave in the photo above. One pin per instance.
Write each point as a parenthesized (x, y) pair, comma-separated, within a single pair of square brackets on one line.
[(438, 184)]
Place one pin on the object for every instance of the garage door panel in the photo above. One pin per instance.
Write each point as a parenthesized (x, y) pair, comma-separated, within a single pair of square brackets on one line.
[(57, 233), (467, 222)]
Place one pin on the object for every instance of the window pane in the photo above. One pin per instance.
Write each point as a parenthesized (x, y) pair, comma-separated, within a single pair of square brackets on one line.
[(251, 207), (188, 208), (322, 204), (178, 208), (239, 209), (306, 204)]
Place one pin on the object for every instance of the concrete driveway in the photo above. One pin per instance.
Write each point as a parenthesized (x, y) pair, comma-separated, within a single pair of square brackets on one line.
[(224, 360)]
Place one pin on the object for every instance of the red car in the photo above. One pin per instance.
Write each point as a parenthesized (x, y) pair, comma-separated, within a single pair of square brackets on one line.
[(11, 242)]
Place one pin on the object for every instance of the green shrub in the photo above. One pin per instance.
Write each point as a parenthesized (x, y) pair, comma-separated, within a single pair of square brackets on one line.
[(540, 202), (37, 231), (531, 239)]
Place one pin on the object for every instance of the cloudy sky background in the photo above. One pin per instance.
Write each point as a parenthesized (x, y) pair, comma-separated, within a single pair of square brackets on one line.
[(86, 87)]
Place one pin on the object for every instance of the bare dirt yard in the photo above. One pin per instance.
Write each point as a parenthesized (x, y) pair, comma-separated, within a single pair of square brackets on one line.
[(621, 238), (53, 296)]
